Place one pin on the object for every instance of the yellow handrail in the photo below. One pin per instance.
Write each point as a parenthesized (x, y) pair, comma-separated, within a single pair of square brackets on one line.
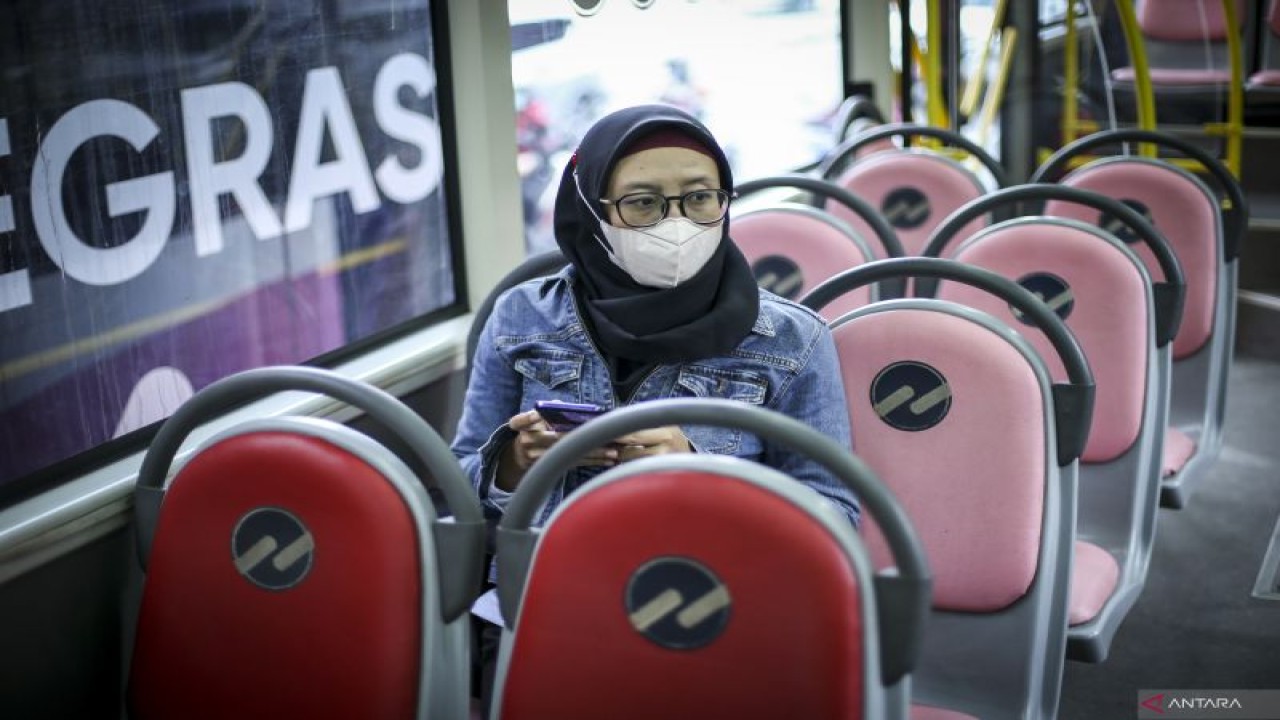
[(1071, 77), (1235, 93), (934, 107), (1141, 72)]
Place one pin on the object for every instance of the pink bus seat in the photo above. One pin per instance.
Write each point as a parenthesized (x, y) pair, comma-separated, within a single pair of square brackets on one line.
[(1104, 294), (913, 188), (1094, 579), (793, 246), (1185, 20), (954, 411), (926, 712), (262, 596), (632, 590), (1178, 35), (1205, 238)]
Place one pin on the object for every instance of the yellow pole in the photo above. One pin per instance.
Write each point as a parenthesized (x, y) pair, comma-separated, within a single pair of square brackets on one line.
[(1235, 94), (1141, 72), (1071, 77), (937, 112)]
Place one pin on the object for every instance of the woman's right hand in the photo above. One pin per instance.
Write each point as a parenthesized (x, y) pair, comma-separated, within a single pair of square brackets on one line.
[(533, 439)]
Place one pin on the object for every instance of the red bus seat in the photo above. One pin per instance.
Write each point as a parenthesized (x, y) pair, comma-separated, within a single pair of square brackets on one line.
[(691, 585), (296, 567)]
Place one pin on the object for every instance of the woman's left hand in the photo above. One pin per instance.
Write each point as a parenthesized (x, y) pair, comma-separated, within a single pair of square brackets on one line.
[(655, 441)]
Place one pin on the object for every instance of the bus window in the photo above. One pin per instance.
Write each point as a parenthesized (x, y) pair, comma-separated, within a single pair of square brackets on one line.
[(190, 189), (764, 75)]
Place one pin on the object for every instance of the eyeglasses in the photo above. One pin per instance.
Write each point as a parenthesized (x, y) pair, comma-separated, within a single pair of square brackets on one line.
[(645, 209)]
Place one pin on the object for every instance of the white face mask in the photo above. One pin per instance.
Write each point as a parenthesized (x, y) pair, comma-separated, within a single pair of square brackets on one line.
[(663, 255)]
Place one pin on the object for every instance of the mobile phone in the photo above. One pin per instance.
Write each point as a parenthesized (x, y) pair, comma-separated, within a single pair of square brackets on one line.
[(565, 416)]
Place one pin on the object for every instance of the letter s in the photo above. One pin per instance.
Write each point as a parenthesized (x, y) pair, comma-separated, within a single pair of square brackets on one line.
[(401, 184)]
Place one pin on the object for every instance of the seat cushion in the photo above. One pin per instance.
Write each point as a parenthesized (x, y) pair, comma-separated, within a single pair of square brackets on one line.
[(1178, 449), (1177, 76), (1268, 78), (926, 712), (1093, 578)]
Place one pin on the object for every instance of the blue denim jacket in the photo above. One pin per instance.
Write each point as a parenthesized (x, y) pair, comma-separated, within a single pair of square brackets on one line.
[(535, 347)]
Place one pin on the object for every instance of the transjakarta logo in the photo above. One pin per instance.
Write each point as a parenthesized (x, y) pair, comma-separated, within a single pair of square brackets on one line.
[(324, 110)]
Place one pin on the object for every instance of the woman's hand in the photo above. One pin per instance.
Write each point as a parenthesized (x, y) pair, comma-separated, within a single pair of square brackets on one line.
[(533, 439), (656, 441)]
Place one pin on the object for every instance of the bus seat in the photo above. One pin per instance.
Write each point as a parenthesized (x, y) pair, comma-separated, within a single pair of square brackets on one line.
[(914, 188), (296, 567), (957, 414), (1205, 238), (632, 590), (1185, 41), (792, 246), (1104, 294), (926, 712)]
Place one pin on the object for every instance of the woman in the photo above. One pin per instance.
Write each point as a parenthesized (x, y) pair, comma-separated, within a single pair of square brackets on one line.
[(657, 302)]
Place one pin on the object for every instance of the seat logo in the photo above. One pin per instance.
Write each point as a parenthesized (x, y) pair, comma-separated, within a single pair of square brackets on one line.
[(905, 208), (1051, 290), (1119, 228), (271, 548), (910, 396), (778, 275), (677, 603)]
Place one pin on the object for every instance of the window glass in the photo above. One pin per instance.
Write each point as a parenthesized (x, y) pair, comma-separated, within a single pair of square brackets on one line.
[(191, 189), (764, 75)]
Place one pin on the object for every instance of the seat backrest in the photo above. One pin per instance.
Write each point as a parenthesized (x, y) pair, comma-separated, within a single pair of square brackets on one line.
[(1186, 213), (793, 247), (914, 188), (260, 598), (1188, 36), (1204, 234), (1185, 20), (955, 412), (1098, 289), (702, 629), (631, 589)]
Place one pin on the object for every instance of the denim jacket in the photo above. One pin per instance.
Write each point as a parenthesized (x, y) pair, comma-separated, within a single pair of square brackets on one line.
[(535, 347)]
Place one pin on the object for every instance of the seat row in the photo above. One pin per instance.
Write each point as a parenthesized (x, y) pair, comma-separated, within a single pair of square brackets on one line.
[(296, 568), (1159, 348)]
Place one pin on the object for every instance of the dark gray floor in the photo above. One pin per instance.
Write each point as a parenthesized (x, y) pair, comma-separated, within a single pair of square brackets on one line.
[(1196, 625)]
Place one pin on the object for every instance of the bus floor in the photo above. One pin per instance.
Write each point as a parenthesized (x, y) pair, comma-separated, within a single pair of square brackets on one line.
[(1197, 625)]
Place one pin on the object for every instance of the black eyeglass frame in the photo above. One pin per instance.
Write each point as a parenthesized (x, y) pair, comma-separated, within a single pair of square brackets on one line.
[(666, 205)]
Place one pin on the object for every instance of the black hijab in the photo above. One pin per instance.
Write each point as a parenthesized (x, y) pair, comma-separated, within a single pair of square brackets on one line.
[(704, 316)]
